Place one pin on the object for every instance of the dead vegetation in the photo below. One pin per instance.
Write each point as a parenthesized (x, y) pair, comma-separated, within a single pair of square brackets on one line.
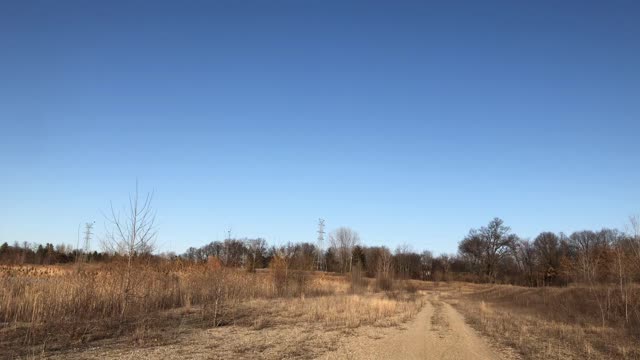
[(77, 311), (549, 323), (50, 312)]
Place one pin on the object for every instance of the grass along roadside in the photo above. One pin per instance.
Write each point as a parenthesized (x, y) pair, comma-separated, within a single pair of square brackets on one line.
[(541, 326)]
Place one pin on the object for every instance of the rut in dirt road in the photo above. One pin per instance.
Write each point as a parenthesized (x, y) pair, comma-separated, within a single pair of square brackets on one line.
[(437, 332)]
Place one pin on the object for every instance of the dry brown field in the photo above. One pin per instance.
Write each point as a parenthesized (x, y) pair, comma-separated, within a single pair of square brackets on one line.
[(203, 312)]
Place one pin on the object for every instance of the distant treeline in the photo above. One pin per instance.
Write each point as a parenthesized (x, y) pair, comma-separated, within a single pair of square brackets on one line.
[(494, 254), (488, 254), (48, 254), (255, 254)]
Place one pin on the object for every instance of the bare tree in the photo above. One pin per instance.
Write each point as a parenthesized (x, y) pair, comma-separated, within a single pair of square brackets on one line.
[(547, 251), (426, 260), (135, 232), (443, 263), (624, 267), (343, 240), (628, 261), (256, 249), (472, 250), (402, 261), (634, 233), (488, 246), (526, 259), (233, 252), (590, 248), (384, 275), (130, 235), (281, 265)]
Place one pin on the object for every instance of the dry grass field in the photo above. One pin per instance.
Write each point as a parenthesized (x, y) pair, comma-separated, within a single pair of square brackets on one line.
[(547, 323), (66, 311), (201, 311)]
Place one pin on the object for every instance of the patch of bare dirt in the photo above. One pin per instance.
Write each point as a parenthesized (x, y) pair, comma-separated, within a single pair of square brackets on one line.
[(437, 332)]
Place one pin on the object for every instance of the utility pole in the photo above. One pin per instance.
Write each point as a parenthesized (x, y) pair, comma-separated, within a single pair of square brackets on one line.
[(320, 246)]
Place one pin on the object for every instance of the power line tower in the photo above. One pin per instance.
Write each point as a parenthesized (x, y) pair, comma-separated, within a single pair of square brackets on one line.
[(320, 256), (88, 228)]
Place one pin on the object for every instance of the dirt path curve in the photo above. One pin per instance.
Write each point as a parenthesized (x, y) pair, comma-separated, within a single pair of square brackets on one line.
[(437, 332)]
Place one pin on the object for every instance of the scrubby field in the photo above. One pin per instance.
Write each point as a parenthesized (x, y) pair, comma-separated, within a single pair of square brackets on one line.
[(177, 310), (66, 311), (550, 322)]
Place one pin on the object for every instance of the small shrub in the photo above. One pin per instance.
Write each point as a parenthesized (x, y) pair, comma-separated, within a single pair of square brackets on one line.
[(279, 275)]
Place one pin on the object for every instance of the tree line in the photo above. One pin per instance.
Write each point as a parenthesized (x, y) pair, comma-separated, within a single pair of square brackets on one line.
[(491, 253), (344, 254), (48, 254)]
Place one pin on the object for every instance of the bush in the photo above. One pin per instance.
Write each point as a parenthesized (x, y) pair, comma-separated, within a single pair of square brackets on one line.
[(279, 275)]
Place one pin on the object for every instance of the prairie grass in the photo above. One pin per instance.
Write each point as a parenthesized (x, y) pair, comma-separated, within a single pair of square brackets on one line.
[(44, 309), (547, 323), (339, 311)]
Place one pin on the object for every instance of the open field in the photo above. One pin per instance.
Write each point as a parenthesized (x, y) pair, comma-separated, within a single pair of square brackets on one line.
[(66, 311), (546, 323), (201, 311)]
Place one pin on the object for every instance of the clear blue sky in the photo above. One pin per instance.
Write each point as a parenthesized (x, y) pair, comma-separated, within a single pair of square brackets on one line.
[(407, 122)]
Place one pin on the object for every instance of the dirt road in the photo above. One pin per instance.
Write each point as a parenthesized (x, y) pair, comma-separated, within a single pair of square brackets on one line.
[(437, 332)]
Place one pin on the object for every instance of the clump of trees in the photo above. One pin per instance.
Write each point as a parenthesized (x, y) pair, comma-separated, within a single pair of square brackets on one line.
[(346, 255), (494, 254), (486, 248), (343, 241)]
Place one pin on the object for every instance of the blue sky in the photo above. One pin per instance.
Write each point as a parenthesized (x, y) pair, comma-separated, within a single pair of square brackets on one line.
[(409, 122)]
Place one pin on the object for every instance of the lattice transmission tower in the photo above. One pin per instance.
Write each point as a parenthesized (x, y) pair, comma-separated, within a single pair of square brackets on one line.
[(320, 265), (88, 232)]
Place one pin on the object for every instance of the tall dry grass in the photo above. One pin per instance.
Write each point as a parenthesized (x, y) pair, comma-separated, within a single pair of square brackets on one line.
[(582, 304), (335, 312), (72, 306), (95, 293), (551, 323)]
